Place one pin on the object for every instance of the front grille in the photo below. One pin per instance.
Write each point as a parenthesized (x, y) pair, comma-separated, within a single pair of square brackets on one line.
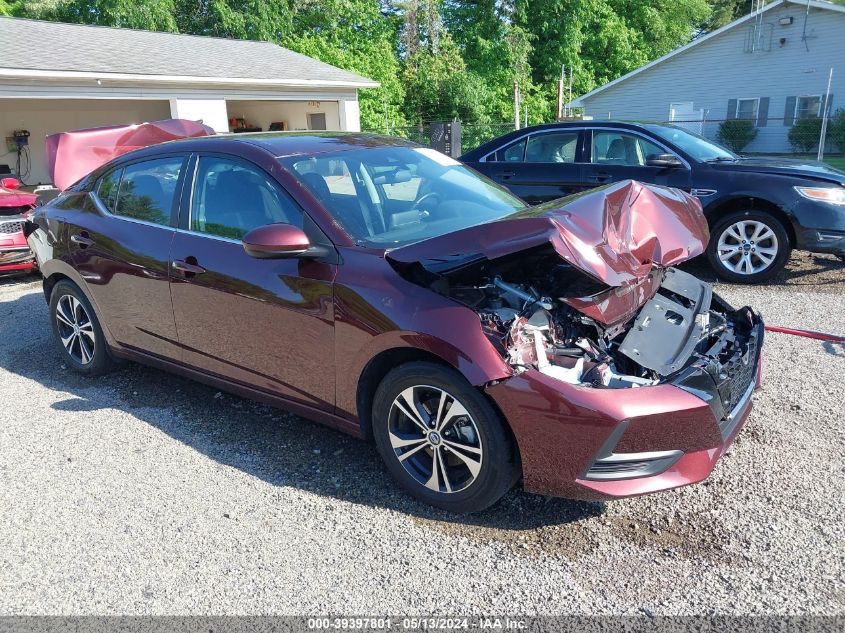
[(741, 370), (7, 228)]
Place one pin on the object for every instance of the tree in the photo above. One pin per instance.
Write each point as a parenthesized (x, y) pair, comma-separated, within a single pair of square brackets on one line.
[(358, 36), (836, 130), (736, 133), (804, 134)]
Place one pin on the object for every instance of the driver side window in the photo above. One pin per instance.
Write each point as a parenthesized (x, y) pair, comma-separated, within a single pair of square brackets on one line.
[(231, 198)]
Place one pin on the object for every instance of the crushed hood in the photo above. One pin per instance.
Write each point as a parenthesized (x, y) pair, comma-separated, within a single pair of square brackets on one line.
[(72, 155), (617, 234)]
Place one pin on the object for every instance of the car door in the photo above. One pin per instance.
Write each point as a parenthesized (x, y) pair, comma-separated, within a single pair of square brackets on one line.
[(120, 244), (264, 323), (615, 155), (541, 166)]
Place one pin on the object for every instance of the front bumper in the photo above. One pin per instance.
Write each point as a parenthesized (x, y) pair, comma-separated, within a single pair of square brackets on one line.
[(586, 443), (820, 227), (16, 260)]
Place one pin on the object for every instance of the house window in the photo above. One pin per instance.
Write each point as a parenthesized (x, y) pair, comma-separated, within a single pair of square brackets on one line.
[(808, 107), (747, 109)]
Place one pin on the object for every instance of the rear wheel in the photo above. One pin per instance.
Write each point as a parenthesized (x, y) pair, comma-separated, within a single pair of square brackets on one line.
[(748, 247), (441, 439), (77, 331)]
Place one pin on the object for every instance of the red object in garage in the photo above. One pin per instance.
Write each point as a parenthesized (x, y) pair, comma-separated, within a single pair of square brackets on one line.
[(15, 206)]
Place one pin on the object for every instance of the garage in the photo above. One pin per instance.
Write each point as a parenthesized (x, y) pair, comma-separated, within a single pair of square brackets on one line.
[(84, 76)]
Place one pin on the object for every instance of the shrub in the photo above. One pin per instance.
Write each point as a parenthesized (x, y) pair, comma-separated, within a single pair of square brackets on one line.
[(804, 135), (736, 133), (836, 130)]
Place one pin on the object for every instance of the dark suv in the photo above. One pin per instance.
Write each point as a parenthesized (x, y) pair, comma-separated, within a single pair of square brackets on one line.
[(758, 209)]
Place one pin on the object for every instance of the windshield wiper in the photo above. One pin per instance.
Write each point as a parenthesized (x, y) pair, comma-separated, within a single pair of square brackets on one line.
[(719, 159)]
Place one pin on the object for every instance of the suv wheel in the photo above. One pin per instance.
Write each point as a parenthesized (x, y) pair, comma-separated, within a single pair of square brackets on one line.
[(77, 330), (441, 439), (748, 247)]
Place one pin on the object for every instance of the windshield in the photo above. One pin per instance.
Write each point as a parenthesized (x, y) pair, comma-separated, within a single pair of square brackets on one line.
[(391, 196), (696, 146)]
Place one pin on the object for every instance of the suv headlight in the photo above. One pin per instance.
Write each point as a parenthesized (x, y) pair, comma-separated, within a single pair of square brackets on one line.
[(834, 195)]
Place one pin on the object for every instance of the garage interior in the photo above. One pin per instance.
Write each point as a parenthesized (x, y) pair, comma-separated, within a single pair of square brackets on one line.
[(41, 117)]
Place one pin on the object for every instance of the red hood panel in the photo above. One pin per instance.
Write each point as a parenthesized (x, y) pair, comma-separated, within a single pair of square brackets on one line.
[(72, 155), (616, 234), (15, 198)]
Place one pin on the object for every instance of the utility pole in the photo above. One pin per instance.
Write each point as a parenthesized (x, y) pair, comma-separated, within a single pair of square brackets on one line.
[(570, 88), (526, 115), (515, 104), (560, 92), (826, 106)]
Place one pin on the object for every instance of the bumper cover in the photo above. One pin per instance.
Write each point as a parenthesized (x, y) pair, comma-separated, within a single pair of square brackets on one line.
[(660, 437)]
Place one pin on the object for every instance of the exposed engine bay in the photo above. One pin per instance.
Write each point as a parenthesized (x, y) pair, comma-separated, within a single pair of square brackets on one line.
[(543, 314)]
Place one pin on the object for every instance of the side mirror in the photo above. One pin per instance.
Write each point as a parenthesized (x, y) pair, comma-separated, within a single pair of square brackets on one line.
[(663, 160), (275, 241), (10, 183)]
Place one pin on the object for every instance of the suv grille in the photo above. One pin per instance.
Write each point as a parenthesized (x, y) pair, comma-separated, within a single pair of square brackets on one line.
[(11, 227)]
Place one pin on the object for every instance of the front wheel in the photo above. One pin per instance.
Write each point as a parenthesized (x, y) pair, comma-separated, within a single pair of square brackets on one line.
[(441, 439), (748, 247)]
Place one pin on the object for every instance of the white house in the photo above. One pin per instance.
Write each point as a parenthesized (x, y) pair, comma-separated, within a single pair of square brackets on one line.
[(770, 66), (57, 77)]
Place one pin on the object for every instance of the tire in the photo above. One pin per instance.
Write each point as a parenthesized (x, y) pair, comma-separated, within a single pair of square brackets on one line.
[(736, 257), (86, 350), (480, 462)]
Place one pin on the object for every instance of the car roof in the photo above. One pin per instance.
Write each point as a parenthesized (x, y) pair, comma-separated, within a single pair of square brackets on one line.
[(497, 142), (281, 144)]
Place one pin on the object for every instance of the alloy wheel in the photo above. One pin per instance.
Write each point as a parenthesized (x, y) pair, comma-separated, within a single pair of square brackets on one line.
[(747, 247), (435, 439), (75, 329)]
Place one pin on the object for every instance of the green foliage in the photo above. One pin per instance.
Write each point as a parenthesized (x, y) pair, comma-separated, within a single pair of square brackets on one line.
[(736, 133), (804, 134), (434, 59), (836, 130), (356, 36)]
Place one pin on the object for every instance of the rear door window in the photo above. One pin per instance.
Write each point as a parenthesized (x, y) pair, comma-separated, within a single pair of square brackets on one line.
[(552, 147), (148, 190)]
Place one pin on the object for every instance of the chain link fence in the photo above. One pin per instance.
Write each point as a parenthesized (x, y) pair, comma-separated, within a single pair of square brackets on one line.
[(797, 138), (472, 134)]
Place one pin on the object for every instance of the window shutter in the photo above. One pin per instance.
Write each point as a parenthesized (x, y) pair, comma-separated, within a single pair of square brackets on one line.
[(763, 112), (731, 109), (789, 111)]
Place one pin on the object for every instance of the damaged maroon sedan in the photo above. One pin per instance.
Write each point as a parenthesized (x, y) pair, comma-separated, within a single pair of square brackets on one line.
[(386, 290)]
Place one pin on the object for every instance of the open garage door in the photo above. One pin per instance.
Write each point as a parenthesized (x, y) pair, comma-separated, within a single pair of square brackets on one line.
[(41, 117)]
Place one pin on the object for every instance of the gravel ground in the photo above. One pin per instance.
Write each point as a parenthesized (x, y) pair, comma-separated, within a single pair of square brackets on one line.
[(142, 493)]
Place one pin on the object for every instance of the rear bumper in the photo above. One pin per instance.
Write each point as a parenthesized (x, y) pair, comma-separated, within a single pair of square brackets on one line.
[(594, 444)]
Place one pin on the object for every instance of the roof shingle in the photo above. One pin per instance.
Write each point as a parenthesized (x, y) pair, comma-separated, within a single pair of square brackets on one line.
[(54, 46)]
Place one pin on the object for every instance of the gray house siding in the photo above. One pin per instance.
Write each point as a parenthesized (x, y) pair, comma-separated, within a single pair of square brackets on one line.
[(717, 72)]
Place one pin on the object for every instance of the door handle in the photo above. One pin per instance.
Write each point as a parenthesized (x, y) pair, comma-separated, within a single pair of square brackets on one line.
[(504, 175), (82, 239), (187, 268), (601, 176)]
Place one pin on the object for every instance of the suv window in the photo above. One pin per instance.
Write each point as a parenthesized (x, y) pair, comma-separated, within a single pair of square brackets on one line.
[(232, 198), (148, 190), (618, 148), (552, 147)]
